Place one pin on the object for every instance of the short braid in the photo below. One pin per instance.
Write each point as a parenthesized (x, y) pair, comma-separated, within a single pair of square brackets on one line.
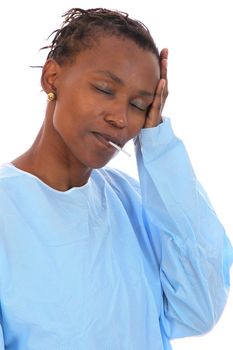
[(81, 28)]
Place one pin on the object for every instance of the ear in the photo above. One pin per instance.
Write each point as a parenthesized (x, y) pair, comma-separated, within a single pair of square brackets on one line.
[(49, 75)]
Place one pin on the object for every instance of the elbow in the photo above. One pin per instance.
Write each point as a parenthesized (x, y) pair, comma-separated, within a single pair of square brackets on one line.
[(204, 315), (206, 325), (191, 318)]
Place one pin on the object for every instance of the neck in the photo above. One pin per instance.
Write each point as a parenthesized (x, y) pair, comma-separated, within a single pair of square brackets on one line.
[(51, 162)]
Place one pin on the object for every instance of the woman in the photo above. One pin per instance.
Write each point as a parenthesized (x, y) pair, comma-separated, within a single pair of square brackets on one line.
[(91, 259)]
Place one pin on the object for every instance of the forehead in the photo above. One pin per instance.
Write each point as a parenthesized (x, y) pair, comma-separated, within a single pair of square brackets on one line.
[(124, 58)]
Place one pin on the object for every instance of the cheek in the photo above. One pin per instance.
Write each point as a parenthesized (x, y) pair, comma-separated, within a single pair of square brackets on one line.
[(64, 122), (135, 124)]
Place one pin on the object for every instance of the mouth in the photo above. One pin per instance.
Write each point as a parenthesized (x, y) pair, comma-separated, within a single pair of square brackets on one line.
[(105, 138)]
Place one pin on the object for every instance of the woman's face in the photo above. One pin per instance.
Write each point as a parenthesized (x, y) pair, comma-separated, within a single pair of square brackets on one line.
[(103, 95)]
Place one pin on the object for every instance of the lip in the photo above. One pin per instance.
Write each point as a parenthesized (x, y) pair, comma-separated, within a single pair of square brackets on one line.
[(105, 138)]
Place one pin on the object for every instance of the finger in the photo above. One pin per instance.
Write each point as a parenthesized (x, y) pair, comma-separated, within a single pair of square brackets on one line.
[(163, 60), (154, 115), (163, 68), (163, 54), (164, 76)]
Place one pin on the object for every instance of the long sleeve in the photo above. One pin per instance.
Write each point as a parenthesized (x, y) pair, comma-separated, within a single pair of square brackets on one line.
[(1, 337), (1, 332), (192, 248)]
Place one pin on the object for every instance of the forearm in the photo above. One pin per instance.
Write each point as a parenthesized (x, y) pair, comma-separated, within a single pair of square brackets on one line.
[(193, 251)]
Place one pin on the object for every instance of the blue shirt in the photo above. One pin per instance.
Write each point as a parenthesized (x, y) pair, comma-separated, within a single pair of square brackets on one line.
[(114, 264)]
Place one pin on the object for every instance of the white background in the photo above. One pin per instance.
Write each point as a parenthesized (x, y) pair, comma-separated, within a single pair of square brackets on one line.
[(199, 37)]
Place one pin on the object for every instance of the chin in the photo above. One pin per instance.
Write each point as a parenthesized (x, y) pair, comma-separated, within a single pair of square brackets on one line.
[(97, 163)]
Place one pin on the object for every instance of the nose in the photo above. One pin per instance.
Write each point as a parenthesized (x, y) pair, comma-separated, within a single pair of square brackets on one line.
[(117, 118)]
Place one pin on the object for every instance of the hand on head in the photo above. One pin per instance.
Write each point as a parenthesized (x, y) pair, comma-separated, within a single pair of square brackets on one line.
[(155, 113), (105, 80)]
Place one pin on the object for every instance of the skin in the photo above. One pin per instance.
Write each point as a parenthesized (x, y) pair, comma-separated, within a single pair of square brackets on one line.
[(110, 91)]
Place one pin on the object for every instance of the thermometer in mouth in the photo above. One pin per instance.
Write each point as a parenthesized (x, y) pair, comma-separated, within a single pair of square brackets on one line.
[(119, 148)]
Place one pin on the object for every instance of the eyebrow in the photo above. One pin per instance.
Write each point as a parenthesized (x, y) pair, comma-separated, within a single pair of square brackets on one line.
[(119, 81)]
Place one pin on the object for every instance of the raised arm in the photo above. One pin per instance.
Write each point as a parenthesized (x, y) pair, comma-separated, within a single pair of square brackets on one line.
[(192, 249)]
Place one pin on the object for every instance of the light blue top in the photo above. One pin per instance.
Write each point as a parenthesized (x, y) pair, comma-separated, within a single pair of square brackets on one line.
[(112, 265)]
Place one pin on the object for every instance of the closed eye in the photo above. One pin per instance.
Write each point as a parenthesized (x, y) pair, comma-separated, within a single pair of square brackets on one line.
[(104, 91), (140, 108)]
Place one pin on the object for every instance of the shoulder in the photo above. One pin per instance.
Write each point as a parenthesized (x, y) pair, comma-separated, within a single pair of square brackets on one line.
[(5, 176), (7, 173), (10, 180)]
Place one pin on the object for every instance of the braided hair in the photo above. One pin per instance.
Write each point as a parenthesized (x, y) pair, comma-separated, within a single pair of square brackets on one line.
[(81, 30)]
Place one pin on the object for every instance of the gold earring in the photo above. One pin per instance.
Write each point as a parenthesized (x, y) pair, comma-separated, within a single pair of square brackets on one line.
[(51, 96)]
